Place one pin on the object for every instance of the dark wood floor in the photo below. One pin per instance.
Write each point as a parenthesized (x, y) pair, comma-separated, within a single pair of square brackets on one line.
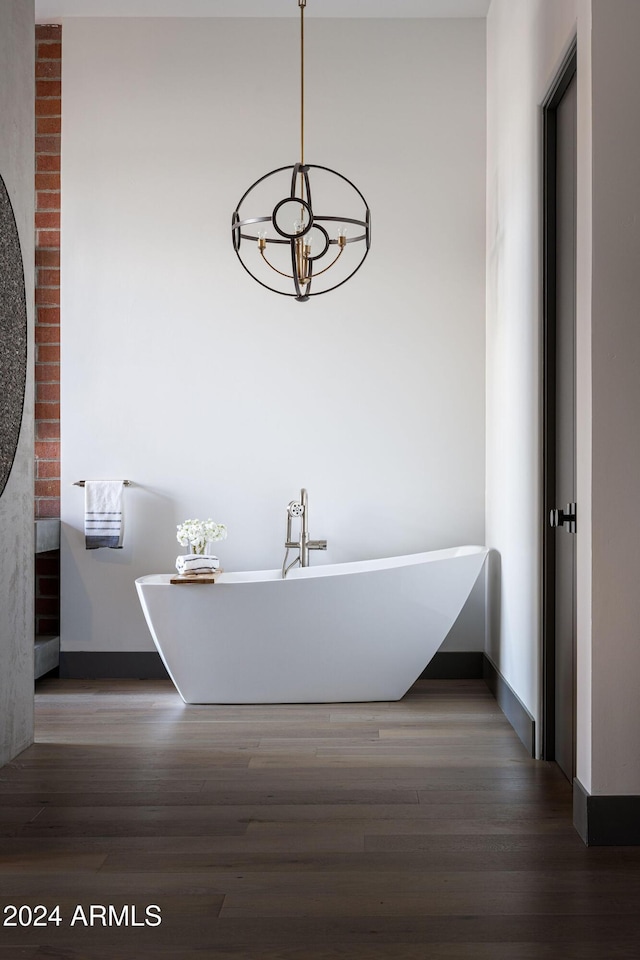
[(417, 830)]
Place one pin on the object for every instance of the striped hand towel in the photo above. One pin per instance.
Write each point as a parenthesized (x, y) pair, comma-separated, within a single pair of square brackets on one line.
[(103, 516), (196, 563)]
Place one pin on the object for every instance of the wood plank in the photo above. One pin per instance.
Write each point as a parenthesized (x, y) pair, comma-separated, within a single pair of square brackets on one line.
[(190, 578)]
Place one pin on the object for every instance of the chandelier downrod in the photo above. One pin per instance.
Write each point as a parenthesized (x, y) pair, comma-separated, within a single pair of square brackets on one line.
[(302, 4)]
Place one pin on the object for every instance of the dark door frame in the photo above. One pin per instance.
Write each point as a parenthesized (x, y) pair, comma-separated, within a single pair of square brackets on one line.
[(557, 90)]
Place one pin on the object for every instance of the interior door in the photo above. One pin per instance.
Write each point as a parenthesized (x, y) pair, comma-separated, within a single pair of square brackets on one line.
[(560, 421)]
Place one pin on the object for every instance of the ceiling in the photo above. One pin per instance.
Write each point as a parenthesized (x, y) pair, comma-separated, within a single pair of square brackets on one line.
[(52, 10)]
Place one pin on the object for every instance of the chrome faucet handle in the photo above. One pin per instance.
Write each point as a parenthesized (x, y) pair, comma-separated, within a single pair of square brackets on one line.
[(317, 545)]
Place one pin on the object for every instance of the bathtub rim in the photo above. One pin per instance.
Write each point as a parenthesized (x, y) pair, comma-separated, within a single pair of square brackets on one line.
[(329, 569)]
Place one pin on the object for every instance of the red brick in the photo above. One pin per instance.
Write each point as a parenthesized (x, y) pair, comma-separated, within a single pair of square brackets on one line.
[(48, 221), (48, 392), (47, 605), (51, 431), (48, 161), (48, 353), (48, 181), (47, 450), (48, 469), (47, 295), (48, 586), (48, 125), (47, 411), (48, 88), (48, 69), (47, 258), (47, 373), (48, 277), (47, 334), (48, 315), (47, 488), (48, 144), (49, 50), (48, 200), (48, 507), (48, 238), (48, 31), (49, 589), (48, 107), (47, 565), (47, 431)]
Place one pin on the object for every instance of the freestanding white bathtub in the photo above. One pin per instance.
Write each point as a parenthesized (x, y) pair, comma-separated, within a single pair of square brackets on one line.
[(327, 634)]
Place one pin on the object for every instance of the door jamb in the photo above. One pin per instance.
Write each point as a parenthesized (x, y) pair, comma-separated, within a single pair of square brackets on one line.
[(550, 104)]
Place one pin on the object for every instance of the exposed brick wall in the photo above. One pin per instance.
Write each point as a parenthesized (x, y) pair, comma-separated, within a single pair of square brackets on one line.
[(48, 594), (47, 360)]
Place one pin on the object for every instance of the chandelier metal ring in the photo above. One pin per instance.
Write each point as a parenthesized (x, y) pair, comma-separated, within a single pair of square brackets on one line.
[(304, 208), (241, 228)]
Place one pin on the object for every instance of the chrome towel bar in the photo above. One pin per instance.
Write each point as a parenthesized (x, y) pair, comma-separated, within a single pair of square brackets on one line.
[(81, 483)]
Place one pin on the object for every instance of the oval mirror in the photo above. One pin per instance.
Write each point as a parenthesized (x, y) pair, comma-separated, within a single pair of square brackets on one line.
[(13, 336)]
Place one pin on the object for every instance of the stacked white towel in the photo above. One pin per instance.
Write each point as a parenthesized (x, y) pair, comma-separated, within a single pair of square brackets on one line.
[(103, 514), (197, 563)]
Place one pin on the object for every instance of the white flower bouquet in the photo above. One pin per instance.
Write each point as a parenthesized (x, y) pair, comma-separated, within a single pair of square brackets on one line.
[(196, 534)]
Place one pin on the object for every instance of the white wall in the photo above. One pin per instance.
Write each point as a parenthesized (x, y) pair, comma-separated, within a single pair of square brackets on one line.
[(526, 43), (218, 398), (16, 503)]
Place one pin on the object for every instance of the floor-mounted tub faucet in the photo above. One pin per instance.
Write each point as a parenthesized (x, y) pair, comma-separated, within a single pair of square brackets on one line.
[(300, 510)]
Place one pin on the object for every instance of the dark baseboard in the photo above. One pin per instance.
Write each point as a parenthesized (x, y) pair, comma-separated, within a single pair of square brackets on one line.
[(511, 705), (609, 821), (454, 666), (90, 665)]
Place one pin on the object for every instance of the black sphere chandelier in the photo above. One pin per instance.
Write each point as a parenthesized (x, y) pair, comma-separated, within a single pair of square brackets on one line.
[(308, 248)]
